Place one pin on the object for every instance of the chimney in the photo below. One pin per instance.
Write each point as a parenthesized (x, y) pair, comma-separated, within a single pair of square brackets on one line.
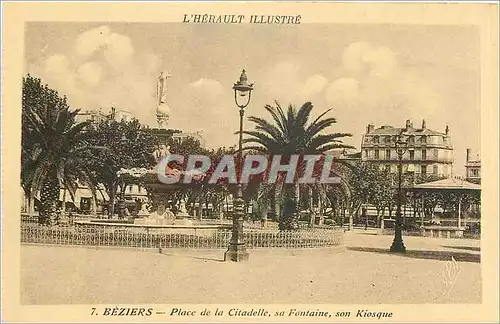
[(423, 124), (370, 128), (467, 159), (447, 130), (408, 124)]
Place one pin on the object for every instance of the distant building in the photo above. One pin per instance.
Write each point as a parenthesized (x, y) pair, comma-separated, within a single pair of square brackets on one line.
[(472, 168), (428, 151), (91, 115), (95, 116), (346, 155), (122, 115), (197, 136), (133, 192)]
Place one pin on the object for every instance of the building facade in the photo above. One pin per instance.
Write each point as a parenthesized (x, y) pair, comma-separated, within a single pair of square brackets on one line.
[(96, 117), (428, 151), (346, 155), (92, 116), (122, 115), (195, 135), (472, 168)]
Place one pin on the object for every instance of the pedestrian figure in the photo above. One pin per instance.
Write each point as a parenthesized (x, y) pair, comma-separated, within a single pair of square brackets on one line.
[(363, 216)]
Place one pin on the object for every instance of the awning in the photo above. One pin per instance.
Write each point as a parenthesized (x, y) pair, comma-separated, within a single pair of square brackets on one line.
[(447, 184)]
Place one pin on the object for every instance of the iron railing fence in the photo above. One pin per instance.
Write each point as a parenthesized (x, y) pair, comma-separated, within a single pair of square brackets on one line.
[(217, 238)]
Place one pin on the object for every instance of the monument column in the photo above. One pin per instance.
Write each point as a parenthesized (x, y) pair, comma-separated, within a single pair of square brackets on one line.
[(162, 108), (162, 133)]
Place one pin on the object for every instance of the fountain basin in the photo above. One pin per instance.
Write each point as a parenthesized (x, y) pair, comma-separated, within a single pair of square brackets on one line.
[(198, 230)]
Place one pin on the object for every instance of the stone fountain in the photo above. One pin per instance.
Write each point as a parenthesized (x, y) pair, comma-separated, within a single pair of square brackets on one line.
[(156, 214), (158, 210)]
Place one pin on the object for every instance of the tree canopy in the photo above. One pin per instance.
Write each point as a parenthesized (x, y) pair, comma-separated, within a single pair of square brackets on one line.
[(53, 146), (291, 133)]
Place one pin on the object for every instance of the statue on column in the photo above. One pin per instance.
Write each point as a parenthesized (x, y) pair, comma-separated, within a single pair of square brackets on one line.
[(162, 152), (162, 109)]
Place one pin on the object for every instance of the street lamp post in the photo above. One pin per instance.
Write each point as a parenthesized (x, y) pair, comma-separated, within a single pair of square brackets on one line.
[(398, 245), (237, 250)]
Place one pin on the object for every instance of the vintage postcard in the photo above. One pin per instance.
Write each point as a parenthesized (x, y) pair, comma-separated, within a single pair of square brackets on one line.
[(249, 162)]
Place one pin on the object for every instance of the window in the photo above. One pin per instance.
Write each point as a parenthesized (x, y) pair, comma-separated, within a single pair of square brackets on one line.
[(367, 139), (387, 139), (435, 169), (424, 154), (423, 139), (411, 139), (412, 155), (423, 169), (475, 172), (376, 155), (435, 153), (388, 154), (375, 139), (366, 154)]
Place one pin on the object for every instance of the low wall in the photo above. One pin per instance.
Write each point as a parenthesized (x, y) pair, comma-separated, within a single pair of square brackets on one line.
[(197, 230), (443, 231), (436, 231)]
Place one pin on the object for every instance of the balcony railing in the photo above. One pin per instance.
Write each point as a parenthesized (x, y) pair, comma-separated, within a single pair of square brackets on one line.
[(415, 160), (384, 145)]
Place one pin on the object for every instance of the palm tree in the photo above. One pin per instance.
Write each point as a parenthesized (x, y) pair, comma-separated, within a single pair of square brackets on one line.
[(291, 133), (53, 148)]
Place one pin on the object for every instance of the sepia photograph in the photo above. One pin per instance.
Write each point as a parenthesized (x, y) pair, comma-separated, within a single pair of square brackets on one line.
[(251, 165)]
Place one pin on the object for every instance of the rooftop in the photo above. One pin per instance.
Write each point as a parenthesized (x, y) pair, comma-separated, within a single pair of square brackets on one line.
[(344, 154), (408, 129), (390, 130)]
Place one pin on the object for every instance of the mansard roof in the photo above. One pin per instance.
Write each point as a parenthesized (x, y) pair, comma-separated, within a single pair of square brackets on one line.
[(390, 130)]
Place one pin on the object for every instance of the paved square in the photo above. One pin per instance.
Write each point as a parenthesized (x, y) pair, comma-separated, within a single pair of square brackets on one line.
[(364, 273)]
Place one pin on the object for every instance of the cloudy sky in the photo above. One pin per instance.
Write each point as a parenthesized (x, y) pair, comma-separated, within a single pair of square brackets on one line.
[(380, 74)]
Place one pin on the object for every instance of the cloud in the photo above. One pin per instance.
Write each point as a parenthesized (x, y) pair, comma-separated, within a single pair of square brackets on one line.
[(206, 90), (375, 88), (57, 64), (210, 109), (90, 73), (314, 85), (382, 61), (353, 57), (117, 49), (343, 89), (281, 82), (56, 71), (102, 69), (287, 83), (91, 40), (362, 57)]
